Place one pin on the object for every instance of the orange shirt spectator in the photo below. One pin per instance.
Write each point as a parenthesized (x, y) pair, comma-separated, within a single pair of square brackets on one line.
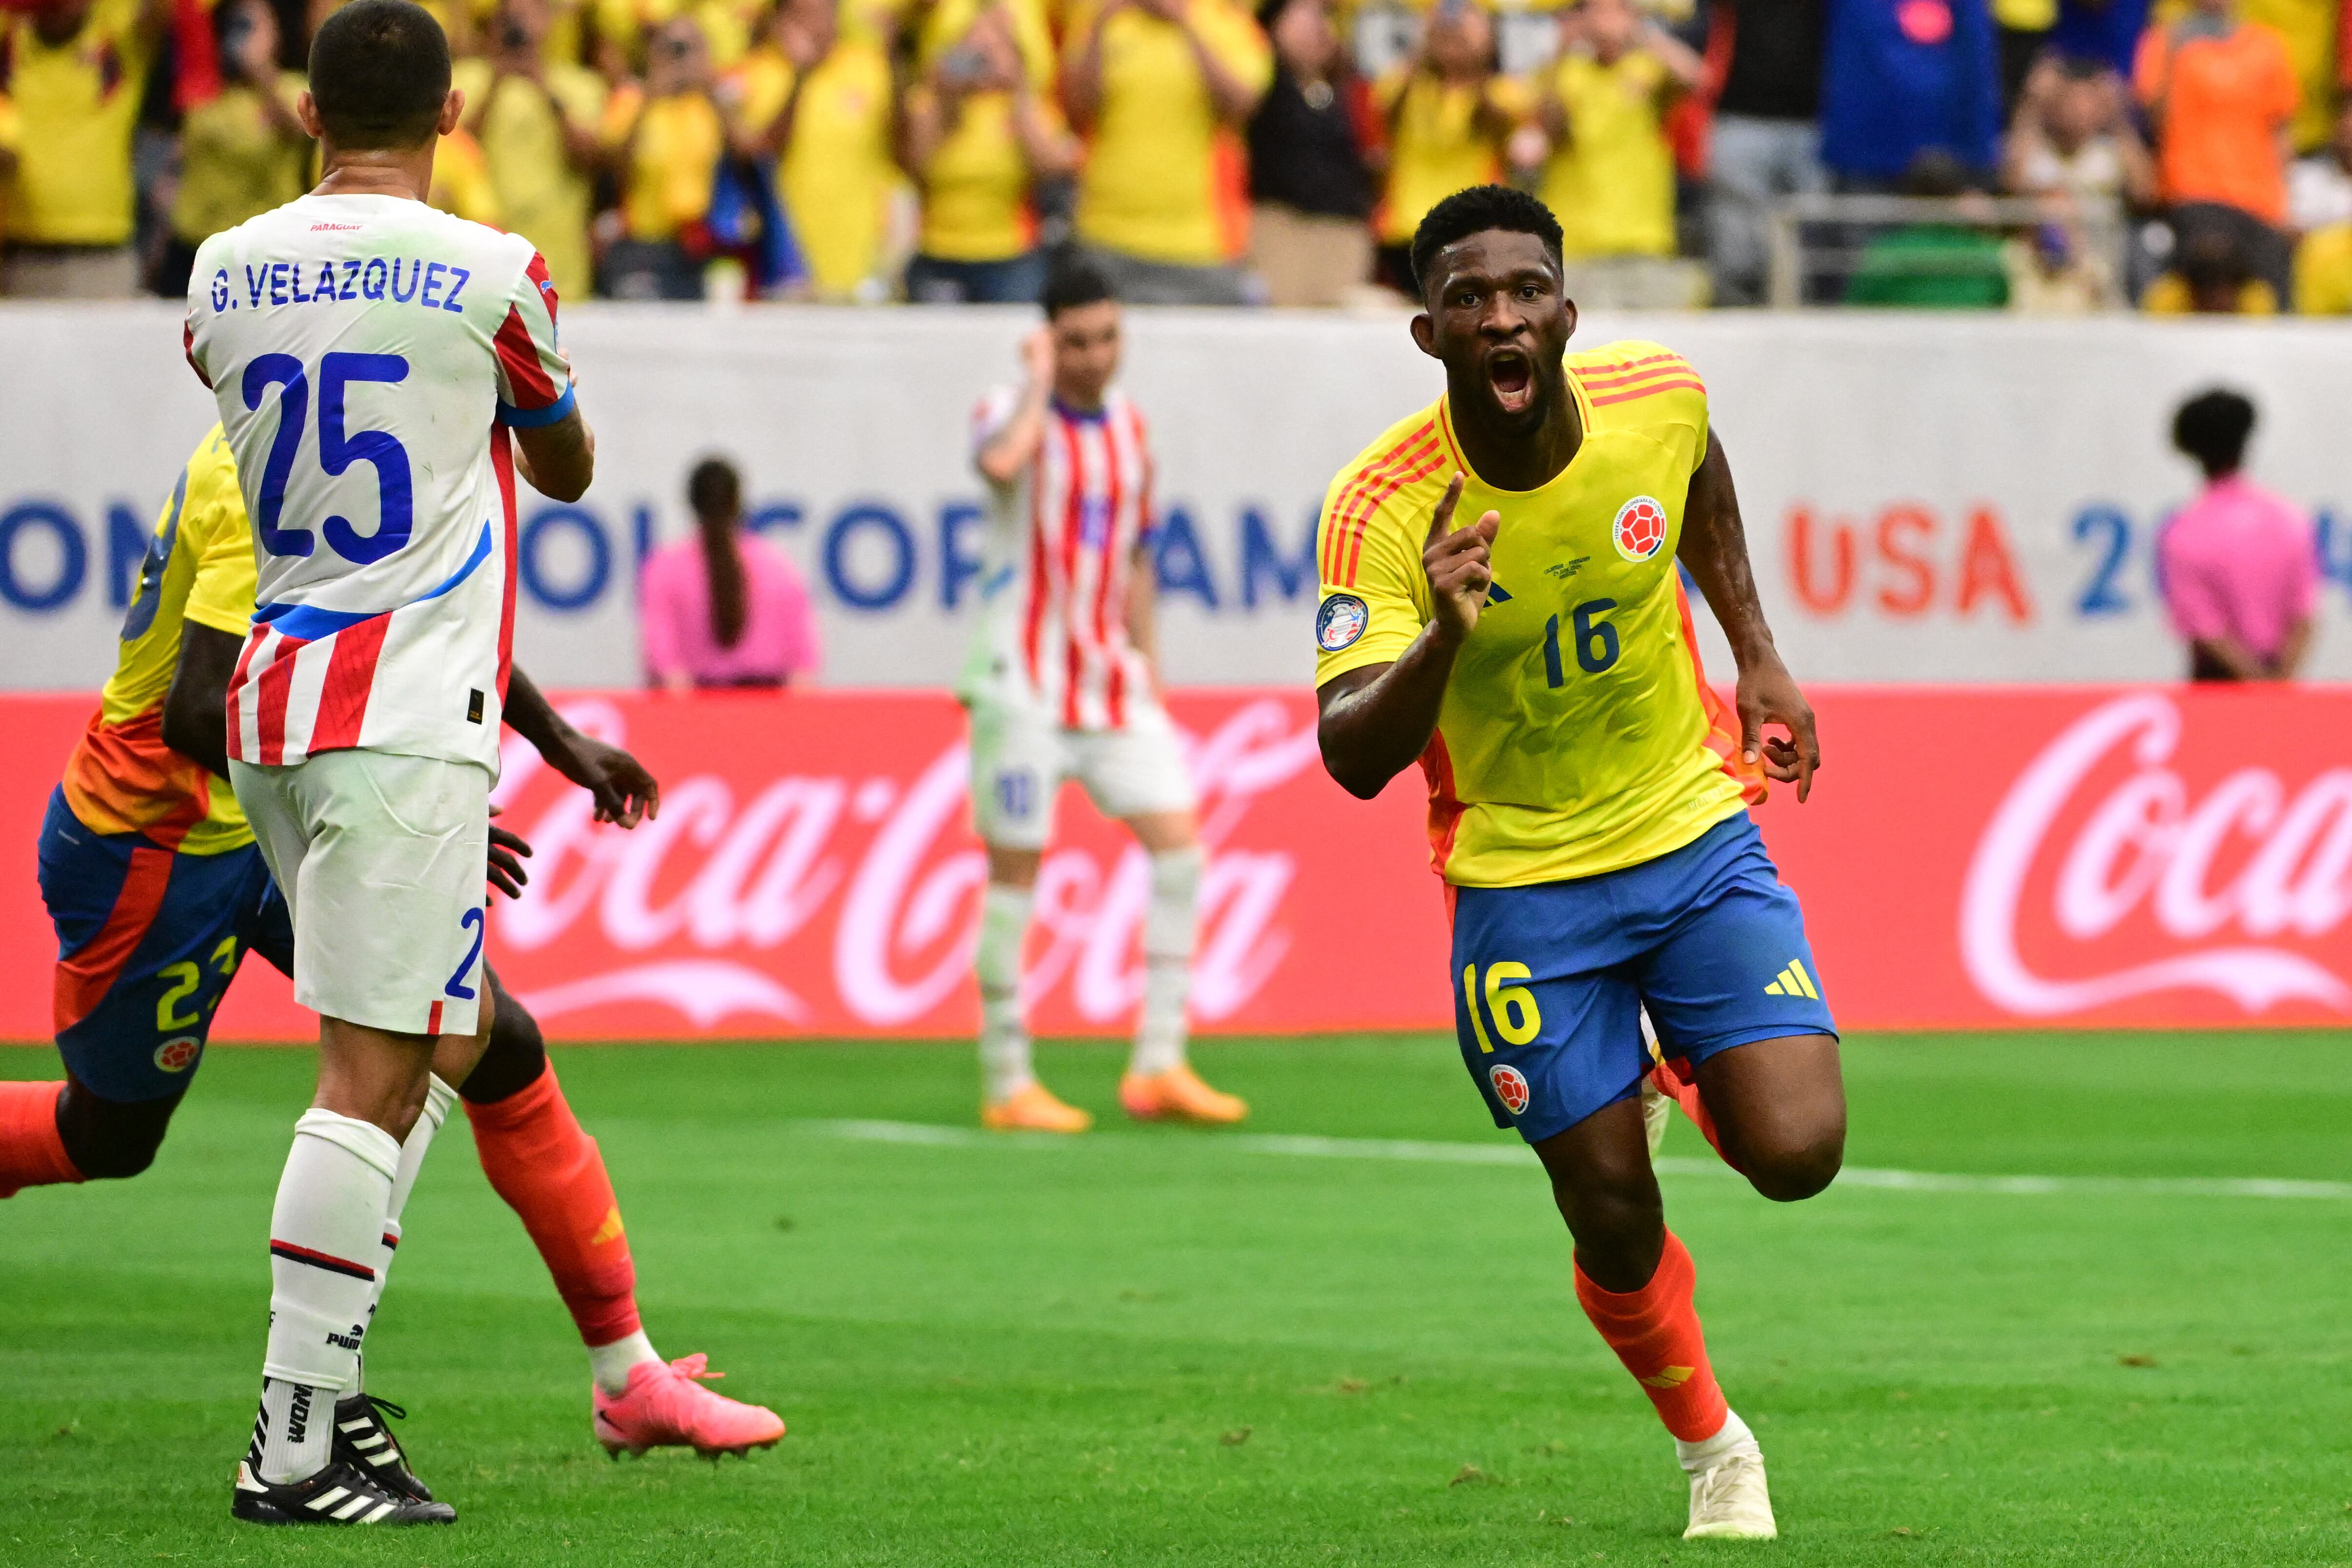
[(2222, 93)]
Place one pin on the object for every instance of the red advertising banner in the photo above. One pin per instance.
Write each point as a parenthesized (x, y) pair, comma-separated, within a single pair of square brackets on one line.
[(2150, 856)]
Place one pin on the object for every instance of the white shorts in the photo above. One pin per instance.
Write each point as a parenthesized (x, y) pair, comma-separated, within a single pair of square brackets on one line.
[(382, 861), (1019, 760)]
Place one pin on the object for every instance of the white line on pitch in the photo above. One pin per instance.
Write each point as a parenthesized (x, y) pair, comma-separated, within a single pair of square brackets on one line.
[(1426, 1153)]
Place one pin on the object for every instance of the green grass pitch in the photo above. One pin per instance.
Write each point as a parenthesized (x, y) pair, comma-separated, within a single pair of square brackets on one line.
[(1157, 1346)]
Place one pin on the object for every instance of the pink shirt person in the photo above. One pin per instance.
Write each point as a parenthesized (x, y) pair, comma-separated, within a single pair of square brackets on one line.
[(2238, 563), (723, 607)]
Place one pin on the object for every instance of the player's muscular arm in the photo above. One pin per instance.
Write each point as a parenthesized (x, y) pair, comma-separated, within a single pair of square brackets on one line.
[(195, 710), (625, 792), (559, 460), (1715, 549), (1377, 721), (1010, 450)]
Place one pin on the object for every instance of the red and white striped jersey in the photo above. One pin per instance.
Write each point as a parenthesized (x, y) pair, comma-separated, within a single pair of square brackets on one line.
[(367, 353), (1060, 560)]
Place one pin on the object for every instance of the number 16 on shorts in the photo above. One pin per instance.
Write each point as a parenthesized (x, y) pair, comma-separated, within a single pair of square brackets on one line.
[(1500, 1005)]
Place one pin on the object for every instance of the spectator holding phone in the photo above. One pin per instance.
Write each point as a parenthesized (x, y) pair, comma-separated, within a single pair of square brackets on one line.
[(1449, 113), (2238, 575), (820, 100), (981, 130), (666, 139), (534, 118), (2073, 140), (243, 151), (1610, 176), (1159, 89)]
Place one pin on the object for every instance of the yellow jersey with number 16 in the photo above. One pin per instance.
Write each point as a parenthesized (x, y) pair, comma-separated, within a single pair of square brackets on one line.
[(1574, 737)]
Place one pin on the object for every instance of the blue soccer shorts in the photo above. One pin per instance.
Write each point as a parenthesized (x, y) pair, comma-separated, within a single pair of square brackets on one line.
[(1550, 980), (148, 940)]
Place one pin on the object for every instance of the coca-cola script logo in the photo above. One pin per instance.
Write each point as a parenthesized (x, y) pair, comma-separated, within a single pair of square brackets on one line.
[(881, 861), (2282, 856)]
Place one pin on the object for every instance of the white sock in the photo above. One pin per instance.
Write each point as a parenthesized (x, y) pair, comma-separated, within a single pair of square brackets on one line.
[(295, 1431), (609, 1364), (1170, 923), (1700, 1456), (326, 1235), (438, 1099), (1005, 1065)]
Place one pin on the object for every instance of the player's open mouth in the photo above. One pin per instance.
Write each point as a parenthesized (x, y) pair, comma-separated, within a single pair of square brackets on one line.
[(1513, 377)]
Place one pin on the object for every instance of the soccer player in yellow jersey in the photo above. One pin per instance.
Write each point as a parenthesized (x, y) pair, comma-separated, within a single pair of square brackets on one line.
[(1538, 662), (157, 892)]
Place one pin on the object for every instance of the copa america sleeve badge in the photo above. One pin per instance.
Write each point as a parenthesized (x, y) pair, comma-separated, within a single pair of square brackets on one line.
[(1340, 620)]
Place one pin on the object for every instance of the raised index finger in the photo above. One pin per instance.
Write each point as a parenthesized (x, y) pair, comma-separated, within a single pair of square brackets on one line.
[(1443, 518)]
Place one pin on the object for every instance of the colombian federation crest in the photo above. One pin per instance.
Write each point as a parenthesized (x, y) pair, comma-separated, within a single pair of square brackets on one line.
[(1641, 527), (1510, 1086), (1340, 621), (178, 1055)]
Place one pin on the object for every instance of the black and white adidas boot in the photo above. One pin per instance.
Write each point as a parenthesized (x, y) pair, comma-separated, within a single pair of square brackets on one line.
[(363, 1442), (338, 1494)]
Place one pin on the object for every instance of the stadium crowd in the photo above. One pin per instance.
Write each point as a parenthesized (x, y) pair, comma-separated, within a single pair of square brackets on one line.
[(2178, 155)]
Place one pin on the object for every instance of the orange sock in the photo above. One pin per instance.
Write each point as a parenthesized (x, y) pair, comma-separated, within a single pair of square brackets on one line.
[(1674, 1078), (31, 1153), (1654, 1331), (550, 1174)]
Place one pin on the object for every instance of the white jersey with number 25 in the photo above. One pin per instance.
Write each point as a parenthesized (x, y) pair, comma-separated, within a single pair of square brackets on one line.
[(367, 352)]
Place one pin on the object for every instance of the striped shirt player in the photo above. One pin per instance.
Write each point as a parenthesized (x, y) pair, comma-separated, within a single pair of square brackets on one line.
[(367, 353), (1056, 685), (1061, 684)]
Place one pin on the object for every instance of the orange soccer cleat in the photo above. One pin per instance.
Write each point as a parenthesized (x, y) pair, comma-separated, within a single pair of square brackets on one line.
[(1179, 1095), (666, 1407), (1033, 1108)]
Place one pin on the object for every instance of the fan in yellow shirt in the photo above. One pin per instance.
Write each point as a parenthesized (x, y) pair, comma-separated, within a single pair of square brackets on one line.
[(75, 72), (535, 116), (818, 99), (1159, 88), (2322, 272), (1450, 113), (666, 139), (1610, 175), (243, 152), (980, 129)]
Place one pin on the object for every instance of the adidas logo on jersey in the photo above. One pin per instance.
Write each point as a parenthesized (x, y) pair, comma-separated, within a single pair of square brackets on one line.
[(1792, 981)]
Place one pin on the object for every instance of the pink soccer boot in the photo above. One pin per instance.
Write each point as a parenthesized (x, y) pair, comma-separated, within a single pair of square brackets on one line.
[(666, 1406)]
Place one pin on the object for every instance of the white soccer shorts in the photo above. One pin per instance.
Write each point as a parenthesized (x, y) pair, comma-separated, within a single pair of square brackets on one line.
[(1020, 757), (382, 860)]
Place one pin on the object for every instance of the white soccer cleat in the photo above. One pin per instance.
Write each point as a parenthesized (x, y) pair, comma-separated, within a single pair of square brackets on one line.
[(1729, 1501)]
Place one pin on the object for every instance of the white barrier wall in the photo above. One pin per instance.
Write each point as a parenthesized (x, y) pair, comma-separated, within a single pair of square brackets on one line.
[(1928, 498)]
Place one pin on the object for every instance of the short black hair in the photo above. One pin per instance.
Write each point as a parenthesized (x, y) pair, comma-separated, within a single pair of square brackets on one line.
[(2213, 428), (714, 488), (1475, 211), (1073, 281), (378, 74)]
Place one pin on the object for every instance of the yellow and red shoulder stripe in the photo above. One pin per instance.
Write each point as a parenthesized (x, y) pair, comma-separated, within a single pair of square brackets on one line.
[(1407, 462), (1622, 381)]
